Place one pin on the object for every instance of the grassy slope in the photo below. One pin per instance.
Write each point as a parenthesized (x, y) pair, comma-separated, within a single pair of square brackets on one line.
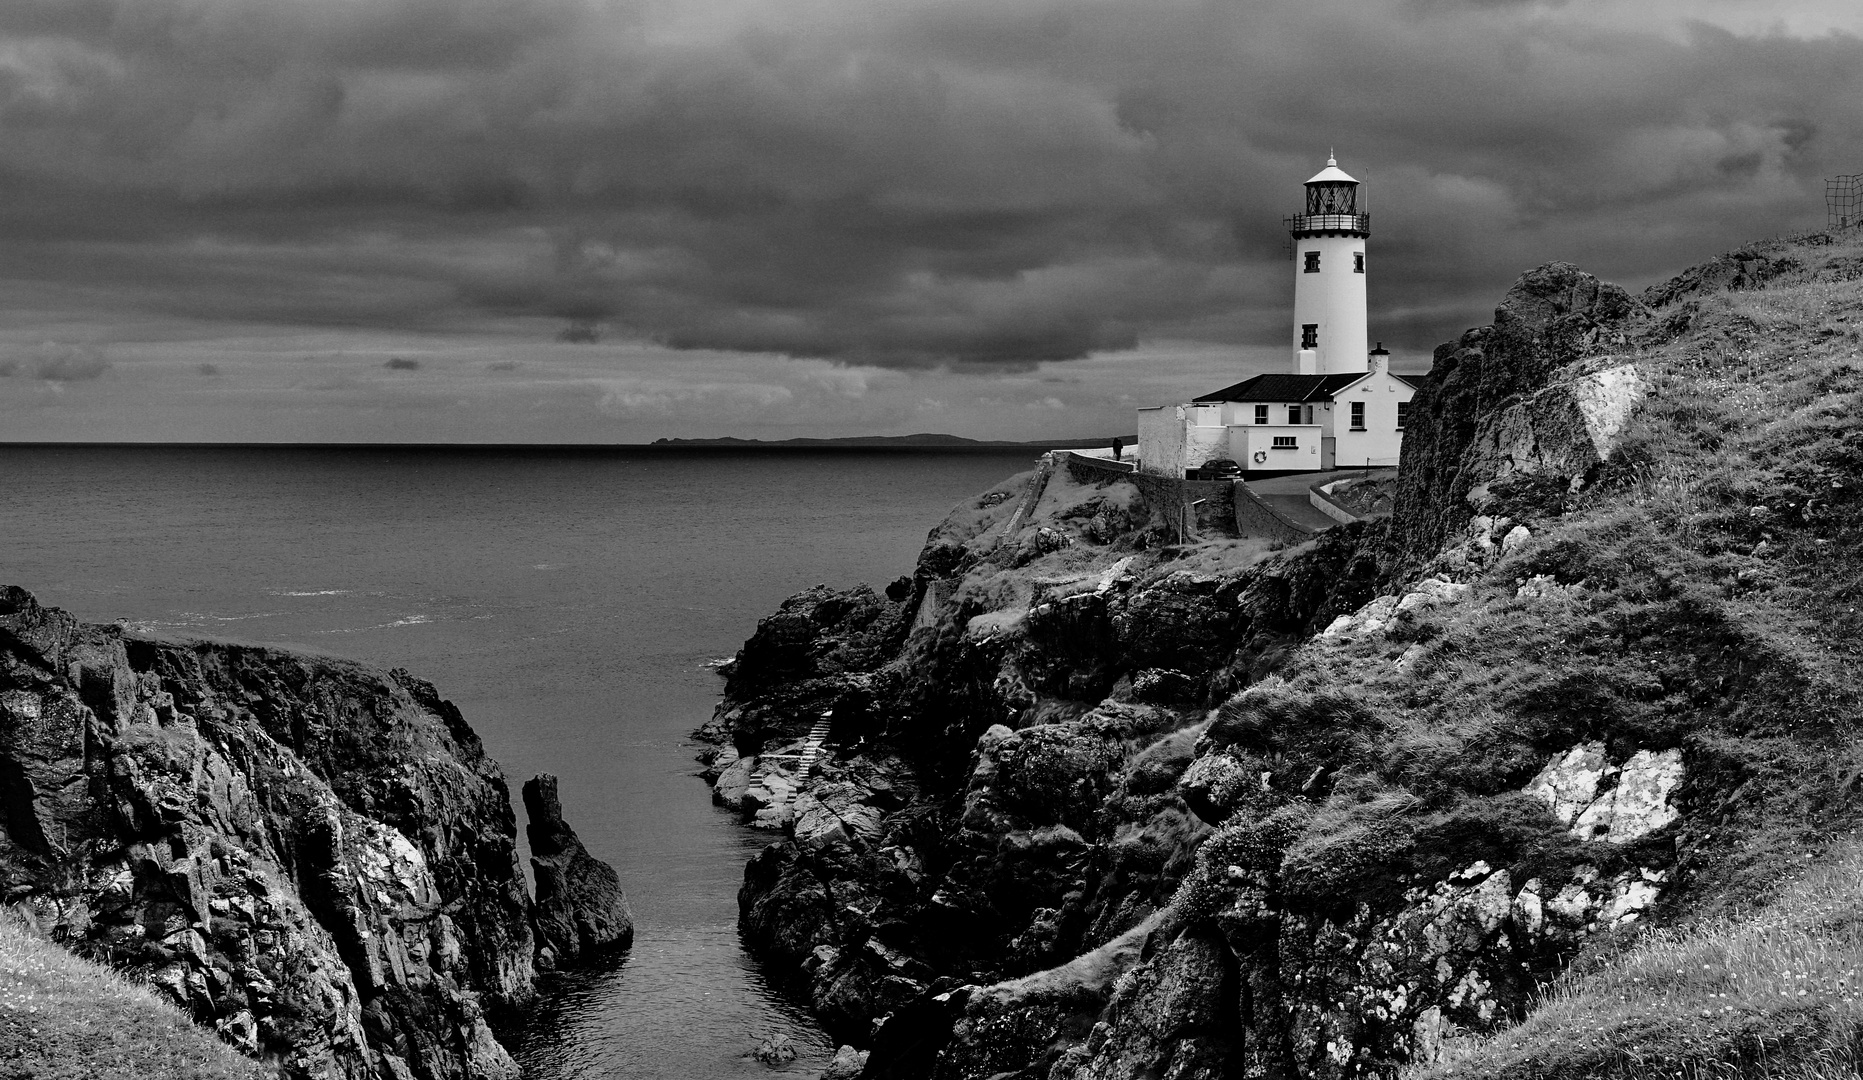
[(1717, 573), (62, 1018)]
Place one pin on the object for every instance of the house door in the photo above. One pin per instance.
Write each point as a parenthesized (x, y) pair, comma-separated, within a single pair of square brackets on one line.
[(1329, 451)]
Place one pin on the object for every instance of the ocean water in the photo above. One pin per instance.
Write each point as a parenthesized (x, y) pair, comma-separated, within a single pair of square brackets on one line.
[(569, 602)]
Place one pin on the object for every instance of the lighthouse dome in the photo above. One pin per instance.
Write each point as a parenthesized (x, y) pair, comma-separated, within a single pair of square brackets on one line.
[(1332, 174)]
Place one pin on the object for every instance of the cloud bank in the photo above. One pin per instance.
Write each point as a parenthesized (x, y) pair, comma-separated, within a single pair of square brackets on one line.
[(54, 362), (975, 184)]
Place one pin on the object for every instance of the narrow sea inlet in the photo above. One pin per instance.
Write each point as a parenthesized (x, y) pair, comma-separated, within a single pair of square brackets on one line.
[(569, 602)]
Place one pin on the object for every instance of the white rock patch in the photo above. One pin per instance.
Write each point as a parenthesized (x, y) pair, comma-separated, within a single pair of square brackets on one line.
[(1569, 782), (1639, 804), (1635, 807), (1606, 399)]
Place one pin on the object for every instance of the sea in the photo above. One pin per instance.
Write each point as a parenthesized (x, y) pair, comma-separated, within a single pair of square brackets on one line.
[(574, 604)]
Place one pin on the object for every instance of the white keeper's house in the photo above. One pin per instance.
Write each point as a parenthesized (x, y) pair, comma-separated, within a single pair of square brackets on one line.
[(1339, 406)]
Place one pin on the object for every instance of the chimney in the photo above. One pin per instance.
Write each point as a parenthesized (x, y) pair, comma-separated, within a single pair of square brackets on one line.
[(1307, 362), (1380, 359)]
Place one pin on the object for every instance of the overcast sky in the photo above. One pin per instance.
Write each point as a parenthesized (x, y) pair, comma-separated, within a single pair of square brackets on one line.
[(377, 219)]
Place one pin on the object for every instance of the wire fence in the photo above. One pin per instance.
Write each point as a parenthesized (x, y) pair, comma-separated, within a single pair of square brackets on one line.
[(1843, 201)]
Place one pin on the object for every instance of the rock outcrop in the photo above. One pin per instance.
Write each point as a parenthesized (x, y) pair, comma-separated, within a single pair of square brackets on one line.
[(314, 858), (581, 910), (1506, 399), (1343, 809)]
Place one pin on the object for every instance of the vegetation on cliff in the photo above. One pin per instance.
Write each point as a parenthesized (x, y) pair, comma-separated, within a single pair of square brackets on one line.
[(1425, 794), (66, 1018)]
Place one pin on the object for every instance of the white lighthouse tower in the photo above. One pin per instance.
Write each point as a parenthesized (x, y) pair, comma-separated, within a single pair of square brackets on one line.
[(1329, 277)]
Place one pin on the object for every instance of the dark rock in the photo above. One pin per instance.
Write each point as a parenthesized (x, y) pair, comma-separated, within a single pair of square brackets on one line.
[(315, 858), (581, 910), (821, 632), (775, 1051)]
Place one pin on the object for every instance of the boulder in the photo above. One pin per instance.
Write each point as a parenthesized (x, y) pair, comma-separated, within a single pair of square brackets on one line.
[(580, 907), (775, 1050), (733, 784), (848, 1064)]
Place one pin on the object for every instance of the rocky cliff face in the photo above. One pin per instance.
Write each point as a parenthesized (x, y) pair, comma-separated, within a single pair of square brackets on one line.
[(1097, 808), (317, 859)]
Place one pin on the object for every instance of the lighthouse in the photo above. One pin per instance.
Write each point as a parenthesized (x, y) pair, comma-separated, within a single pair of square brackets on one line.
[(1329, 276), (1341, 407)]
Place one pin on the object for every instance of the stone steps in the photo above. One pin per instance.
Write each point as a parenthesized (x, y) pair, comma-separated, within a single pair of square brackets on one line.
[(783, 790)]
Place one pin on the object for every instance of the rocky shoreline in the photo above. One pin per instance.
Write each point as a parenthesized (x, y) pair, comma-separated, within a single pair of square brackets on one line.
[(1096, 805), (316, 859)]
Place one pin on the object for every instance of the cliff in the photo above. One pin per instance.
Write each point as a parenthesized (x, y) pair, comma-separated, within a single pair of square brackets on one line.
[(316, 859), (1550, 774)]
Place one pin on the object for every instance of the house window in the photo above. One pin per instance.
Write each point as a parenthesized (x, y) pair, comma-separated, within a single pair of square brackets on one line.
[(1310, 335), (1403, 414), (1313, 262), (1293, 414), (1358, 416), (1261, 414), (1286, 442), (1358, 262)]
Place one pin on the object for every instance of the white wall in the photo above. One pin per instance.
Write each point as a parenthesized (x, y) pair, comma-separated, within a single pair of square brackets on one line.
[(1380, 442), (1161, 440), (1246, 441), (1205, 435), (1335, 299)]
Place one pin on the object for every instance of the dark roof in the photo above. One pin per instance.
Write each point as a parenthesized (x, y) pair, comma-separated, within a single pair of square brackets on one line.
[(1285, 387)]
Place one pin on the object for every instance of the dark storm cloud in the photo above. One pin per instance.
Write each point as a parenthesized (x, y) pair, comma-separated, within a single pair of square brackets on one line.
[(942, 182), (401, 363)]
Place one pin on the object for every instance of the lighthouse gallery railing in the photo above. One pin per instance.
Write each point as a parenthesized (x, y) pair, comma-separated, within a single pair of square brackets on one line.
[(1329, 223)]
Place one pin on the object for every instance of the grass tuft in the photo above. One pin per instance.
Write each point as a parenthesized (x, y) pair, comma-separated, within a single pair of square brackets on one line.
[(65, 1018)]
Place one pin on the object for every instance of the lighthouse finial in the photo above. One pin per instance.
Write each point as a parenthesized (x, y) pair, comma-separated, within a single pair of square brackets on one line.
[(1331, 161)]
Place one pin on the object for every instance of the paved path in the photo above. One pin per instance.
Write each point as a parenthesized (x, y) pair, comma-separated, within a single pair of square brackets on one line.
[(1291, 495), (1298, 509), (1298, 483)]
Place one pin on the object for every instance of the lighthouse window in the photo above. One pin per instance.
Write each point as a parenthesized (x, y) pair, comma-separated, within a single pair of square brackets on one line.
[(1358, 262), (1310, 335), (1358, 416), (1261, 414), (1293, 414), (1313, 262)]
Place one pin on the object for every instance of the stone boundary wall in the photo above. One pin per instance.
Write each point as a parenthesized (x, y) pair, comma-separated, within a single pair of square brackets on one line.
[(1190, 508), (1257, 518), (1086, 469)]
